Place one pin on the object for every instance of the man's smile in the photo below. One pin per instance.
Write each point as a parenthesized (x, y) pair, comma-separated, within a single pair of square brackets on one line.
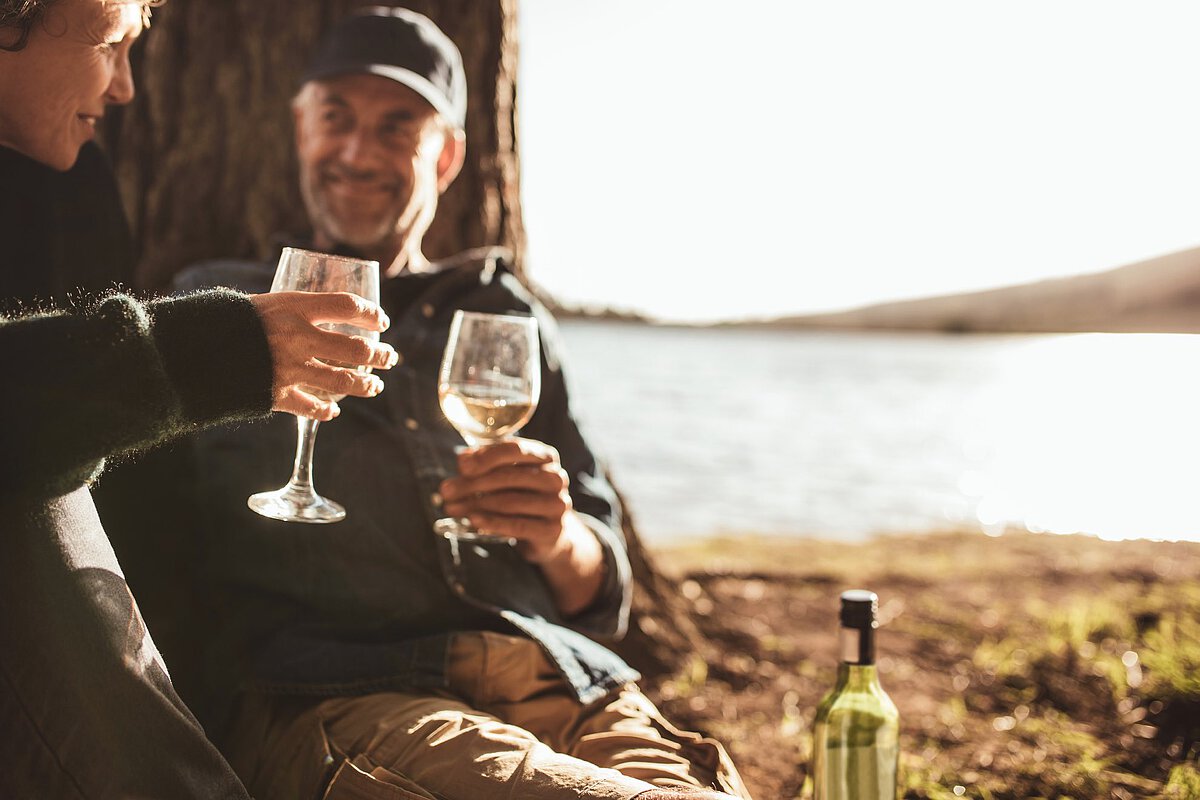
[(358, 188)]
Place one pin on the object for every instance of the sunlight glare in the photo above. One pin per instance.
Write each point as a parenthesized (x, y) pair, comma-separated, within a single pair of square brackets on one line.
[(1068, 456)]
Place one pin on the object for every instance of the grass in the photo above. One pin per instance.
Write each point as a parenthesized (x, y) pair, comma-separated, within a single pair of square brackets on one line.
[(1024, 666)]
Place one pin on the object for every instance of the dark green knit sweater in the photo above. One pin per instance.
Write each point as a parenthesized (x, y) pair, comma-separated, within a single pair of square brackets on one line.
[(87, 708), (122, 375)]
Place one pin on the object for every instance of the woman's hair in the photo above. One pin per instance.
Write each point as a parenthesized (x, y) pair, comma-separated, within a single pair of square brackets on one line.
[(22, 15)]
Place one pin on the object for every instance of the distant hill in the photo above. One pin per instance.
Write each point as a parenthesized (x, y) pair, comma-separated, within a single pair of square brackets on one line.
[(1158, 295), (573, 311)]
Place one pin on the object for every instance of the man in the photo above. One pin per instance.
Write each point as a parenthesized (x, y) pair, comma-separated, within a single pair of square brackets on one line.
[(374, 657), (87, 709)]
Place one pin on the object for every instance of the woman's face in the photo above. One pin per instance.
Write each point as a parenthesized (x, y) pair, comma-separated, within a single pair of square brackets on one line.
[(75, 63)]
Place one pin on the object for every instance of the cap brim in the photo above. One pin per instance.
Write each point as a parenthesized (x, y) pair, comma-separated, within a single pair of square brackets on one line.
[(412, 80)]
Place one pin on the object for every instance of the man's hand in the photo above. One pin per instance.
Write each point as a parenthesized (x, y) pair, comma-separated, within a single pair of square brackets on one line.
[(512, 488), (300, 349), (518, 488)]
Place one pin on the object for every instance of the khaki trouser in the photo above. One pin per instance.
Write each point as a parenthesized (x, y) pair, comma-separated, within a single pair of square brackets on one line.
[(509, 728)]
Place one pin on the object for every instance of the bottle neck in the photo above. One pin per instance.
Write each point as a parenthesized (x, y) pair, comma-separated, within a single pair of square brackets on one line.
[(857, 678), (857, 646)]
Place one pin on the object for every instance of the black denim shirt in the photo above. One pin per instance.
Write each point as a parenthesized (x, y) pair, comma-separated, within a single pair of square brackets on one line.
[(368, 604)]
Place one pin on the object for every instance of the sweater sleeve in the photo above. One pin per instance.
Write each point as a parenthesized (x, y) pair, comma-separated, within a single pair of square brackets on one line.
[(119, 376)]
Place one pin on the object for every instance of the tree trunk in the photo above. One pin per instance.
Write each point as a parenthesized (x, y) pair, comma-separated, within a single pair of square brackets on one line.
[(662, 637), (205, 161)]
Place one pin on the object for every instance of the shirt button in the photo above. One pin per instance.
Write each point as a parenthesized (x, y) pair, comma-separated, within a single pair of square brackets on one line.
[(427, 310), (436, 499), (411, 424)]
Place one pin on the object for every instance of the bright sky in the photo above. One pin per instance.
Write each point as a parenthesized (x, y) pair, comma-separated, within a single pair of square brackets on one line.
[(701, 160)]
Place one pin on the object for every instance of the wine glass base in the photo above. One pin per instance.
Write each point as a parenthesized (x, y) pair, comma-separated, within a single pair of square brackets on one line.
[(461, 530), (296, 505)]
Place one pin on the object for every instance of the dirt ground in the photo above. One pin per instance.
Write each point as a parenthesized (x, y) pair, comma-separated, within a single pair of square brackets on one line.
[(1023, 665)]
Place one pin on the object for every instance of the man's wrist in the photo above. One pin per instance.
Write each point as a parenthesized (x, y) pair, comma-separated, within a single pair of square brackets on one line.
[(575, 568)]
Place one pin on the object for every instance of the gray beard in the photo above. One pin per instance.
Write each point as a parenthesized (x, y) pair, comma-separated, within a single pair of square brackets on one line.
[(325, 222)]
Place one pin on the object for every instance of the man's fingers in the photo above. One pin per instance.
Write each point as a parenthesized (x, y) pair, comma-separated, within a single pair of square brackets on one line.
[(510, 452), (523, 529), (513, 504), (540, 478)]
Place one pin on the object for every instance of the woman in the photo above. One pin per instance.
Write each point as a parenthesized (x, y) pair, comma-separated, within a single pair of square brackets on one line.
[(86, 706)]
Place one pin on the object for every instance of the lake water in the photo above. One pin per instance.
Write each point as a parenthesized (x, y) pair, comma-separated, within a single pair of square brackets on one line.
[(846, 435)]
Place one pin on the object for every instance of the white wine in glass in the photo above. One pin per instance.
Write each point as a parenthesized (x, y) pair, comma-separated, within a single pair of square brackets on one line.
[(306, 271), (485, 412), (488, 387)]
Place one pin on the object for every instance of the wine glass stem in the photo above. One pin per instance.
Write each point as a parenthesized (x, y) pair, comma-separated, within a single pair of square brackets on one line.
[(306, 438)]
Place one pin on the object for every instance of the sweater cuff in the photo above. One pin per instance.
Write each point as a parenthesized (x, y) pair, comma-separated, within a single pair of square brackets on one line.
[(215, 352)]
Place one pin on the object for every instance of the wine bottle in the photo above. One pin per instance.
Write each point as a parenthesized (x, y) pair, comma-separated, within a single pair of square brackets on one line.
[(857, 729)]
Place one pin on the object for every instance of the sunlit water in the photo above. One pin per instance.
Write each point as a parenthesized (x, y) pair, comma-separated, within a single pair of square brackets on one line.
[(847, 435)]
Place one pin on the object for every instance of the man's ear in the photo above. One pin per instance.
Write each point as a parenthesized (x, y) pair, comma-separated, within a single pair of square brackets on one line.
[(450, 160)]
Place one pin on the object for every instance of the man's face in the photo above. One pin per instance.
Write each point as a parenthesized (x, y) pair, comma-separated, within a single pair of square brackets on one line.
[(369, 151), (74, 64)]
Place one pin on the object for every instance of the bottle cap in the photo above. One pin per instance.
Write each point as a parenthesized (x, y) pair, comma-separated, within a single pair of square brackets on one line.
[(858, 608)]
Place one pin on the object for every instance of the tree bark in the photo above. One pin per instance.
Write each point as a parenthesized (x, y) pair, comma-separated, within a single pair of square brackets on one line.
[(204, 158), (662, 636)]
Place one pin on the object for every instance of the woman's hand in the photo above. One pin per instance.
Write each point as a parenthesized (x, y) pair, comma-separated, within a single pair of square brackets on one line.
[(304, 355)]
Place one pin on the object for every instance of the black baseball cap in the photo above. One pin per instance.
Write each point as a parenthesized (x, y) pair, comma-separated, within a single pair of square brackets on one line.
[(402, 45)]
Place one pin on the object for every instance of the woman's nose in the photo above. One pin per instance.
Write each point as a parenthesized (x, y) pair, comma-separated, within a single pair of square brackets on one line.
[(120, 89)]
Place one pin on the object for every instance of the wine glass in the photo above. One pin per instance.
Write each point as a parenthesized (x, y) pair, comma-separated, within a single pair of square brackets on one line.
[(306, 271), (488, 387)]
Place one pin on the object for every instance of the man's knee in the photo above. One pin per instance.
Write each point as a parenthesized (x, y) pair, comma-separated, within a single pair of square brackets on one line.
[(449, 727), (436, 747)]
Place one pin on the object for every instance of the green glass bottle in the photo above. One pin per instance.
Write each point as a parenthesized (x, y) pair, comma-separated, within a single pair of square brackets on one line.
[(857, 730)]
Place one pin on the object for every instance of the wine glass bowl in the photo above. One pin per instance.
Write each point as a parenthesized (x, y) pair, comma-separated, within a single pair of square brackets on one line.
[(488, 386), (486, 410), (307, 271)]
